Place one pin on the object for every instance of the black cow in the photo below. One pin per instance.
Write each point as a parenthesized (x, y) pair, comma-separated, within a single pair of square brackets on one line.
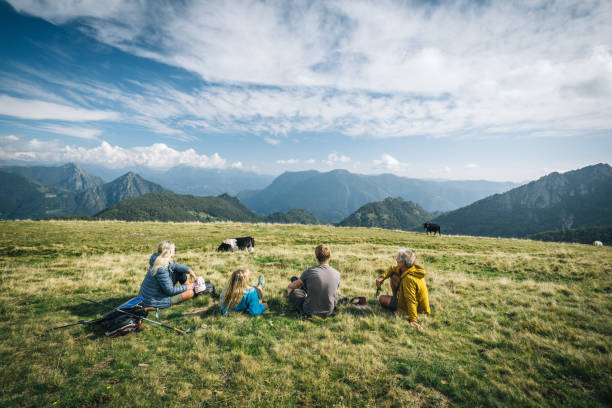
[(237, 244), (432, 228)]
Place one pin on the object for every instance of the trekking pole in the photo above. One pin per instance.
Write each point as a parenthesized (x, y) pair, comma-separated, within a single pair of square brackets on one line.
[(74, 324), (179, 331)]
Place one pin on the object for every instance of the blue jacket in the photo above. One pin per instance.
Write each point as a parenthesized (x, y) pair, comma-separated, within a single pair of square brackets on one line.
[(157, 289), (249, 301)]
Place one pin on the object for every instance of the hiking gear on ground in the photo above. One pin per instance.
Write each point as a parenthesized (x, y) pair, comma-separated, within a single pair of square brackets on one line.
[(261, 281), (118, 322), (179, 331), (358, 300)]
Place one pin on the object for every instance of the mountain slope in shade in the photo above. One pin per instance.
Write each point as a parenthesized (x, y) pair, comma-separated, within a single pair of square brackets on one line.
[(24, 198), (179, 208), (294, 216), (69, 176), (585, 235), (336, 194), (391, 213), (188, 208), (575, 199)]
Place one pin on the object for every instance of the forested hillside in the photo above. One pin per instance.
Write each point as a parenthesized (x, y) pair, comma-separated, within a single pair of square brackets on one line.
[(391, 213)]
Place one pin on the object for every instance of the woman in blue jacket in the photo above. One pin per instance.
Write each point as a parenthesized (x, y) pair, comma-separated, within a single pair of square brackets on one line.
[(178, 272), (157, 288), (240, 297)]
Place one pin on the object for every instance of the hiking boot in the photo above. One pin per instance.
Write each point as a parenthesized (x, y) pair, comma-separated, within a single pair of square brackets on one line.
[(261, 281)]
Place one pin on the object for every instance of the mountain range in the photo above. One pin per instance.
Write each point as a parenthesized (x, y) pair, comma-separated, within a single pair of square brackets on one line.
[(558, 201), (334, 195), (29, 198), (193, 180), (566, 206)]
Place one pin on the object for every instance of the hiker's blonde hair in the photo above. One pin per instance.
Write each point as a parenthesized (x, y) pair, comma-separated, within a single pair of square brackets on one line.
[(164, 257), (162, 245), (236, 285)]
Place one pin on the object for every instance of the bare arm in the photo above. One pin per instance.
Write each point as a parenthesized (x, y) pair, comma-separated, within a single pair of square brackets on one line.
[(294, 285)]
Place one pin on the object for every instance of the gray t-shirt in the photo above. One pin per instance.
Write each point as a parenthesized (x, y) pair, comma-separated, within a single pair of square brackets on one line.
[(321, 284)]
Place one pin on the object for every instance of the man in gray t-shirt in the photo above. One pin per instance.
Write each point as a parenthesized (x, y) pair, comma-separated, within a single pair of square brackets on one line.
[(315, 293)]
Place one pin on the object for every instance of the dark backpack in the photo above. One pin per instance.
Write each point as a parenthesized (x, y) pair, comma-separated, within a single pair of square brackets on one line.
[(117, 323)]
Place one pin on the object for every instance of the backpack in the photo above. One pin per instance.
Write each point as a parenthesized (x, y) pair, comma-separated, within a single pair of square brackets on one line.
[(117, 323)]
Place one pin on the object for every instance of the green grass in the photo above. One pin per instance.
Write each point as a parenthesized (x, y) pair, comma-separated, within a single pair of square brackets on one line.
[(514, 322)]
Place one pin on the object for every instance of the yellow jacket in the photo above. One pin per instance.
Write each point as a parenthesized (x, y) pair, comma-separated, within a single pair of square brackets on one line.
[(412, 297)]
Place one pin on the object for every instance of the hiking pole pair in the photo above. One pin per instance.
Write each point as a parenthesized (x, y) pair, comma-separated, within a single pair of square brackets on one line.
[(74, 324), (179, 331)]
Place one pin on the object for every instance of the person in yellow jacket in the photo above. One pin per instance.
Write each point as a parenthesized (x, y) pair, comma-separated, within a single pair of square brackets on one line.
[(407, 281)]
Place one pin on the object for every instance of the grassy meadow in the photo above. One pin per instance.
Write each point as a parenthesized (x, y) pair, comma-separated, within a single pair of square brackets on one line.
[(513, 323)]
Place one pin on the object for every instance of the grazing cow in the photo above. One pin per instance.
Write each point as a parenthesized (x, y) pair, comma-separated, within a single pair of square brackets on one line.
[(432, 228), (237, 244), (597, 243)]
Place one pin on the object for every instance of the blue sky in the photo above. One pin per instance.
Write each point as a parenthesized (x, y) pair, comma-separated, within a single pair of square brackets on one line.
[(490, 90)]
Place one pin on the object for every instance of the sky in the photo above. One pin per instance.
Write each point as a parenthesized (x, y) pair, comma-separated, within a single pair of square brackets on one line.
[(494, 90)]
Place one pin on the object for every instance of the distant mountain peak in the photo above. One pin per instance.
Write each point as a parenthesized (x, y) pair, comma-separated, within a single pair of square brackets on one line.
[(557, 201)]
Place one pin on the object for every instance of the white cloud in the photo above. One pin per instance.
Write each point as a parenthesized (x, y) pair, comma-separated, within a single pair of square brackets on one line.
[(35, 109), (83, 133), (471, 166), (156, 156), (273, 142), (310, 161), (388, 163), (237, 165), (334, 159), (362, 68), (288, 161)]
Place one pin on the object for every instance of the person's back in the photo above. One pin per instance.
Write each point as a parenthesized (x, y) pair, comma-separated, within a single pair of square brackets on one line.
[(321, 282)]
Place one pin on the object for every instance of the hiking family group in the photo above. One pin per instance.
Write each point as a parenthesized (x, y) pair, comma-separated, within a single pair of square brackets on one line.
[(314, 293)]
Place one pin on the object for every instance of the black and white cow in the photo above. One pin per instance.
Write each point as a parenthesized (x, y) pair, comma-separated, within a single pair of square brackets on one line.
[(237, 244), (432, 228)]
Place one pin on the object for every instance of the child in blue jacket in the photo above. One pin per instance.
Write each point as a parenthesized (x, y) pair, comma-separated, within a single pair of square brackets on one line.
[(239, 296)]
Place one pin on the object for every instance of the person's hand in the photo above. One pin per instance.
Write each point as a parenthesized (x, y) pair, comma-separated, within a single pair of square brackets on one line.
[(192, 275), (190, 286), (415, 324), (379, 282)]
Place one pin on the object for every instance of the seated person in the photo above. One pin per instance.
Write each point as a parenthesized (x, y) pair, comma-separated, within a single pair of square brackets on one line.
[(156, 289), (315, 293), (408, 286), (179, 272), (240, 297)]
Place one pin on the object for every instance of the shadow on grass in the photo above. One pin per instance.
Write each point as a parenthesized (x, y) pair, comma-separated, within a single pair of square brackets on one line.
[(88, 312)]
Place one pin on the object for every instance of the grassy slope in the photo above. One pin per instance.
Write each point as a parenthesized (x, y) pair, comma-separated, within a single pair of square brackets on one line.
[(514, 322)]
